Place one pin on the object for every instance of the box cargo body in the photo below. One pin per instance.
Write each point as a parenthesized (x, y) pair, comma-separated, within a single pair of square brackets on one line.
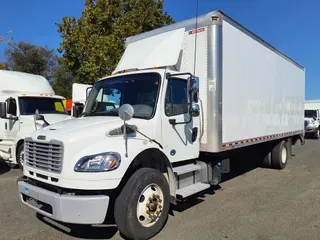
[(250, 92)]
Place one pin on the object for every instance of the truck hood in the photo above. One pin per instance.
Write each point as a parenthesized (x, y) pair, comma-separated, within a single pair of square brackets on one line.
[(308, 119), (55, 118), (310, 122), (84, 128)]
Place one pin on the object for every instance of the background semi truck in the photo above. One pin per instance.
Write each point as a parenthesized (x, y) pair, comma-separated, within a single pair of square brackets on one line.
[(312, 118), (21, 94), (195, 92)]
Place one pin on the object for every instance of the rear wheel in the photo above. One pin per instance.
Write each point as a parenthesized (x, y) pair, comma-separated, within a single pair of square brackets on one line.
[(279, 155), (20, 156), (141, 209)]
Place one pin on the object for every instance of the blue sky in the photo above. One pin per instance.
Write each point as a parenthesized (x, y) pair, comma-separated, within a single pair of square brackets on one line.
[(292, 26)]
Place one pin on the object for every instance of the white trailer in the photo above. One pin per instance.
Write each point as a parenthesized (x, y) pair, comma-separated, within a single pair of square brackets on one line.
[(312, 118), (188, 118), (80, 93), (21, 94)]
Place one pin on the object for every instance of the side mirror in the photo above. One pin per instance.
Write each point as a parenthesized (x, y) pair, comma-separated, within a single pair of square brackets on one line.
[(126, 112), (195, 90), (3, 110), (77, 109), (195, 110)]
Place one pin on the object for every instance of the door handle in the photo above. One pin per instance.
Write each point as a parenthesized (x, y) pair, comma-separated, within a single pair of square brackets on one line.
[(194, 134)]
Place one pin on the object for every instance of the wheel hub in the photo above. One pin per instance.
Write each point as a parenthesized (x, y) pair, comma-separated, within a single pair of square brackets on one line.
[(284, 155), (149, 206), (154, 206)]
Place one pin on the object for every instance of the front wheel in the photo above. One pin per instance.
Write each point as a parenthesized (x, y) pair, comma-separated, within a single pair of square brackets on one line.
[(20, 156), (141, 209), (317, 134)]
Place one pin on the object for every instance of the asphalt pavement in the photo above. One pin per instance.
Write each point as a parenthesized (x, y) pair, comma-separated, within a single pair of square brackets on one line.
[(252, 203)]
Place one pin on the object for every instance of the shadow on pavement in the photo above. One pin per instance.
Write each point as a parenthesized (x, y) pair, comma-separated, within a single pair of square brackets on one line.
[(4, 167), (241, 162), (81, 231)]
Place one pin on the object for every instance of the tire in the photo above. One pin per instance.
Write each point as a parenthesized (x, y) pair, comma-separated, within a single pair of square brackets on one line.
[(279, 155), (133, 201), (20, 153), (317, 134), (266, 162)]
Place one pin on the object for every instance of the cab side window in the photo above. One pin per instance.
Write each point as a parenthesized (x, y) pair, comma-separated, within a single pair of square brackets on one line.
[(11, 106), (176, 102)]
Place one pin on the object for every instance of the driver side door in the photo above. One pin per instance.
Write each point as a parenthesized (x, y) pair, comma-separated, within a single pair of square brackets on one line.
[(12, 125), (180, 140)]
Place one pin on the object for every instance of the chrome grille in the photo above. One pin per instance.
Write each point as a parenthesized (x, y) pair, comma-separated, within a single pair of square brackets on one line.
[(46, 156)]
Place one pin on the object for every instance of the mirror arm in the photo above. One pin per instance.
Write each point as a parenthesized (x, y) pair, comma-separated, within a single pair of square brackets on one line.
[(170, 75), (173, 121), (12, 118), (46, 122), (152, 140)]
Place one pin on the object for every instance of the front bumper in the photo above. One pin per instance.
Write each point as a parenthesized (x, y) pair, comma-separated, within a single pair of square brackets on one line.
[(311, 130), (65, 208)]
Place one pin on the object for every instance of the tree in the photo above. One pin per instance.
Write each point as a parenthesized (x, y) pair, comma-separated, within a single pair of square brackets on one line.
[(3, 66), (62, 83), (29, 58), (6, 39), (93, 44)]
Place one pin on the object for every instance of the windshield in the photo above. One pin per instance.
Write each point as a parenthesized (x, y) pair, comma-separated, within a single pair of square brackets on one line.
[(310, 113), (138, 90), (29, 105)]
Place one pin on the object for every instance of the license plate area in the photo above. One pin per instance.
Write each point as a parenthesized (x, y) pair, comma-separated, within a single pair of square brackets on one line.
[(37, 204)]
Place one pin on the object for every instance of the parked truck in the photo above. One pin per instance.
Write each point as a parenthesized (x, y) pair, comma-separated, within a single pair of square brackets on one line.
[(21, 94), (312, 118), (190, 94), (80, 93)]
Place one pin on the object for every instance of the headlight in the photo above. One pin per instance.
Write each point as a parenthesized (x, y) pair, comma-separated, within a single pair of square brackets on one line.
[(98, 163)]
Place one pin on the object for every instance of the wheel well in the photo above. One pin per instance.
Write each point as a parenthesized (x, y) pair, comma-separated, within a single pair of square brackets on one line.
[(19, 143), (151, 158)]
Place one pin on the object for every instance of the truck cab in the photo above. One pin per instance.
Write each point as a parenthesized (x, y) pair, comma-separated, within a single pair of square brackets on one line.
[(21, 95), (312, 123)]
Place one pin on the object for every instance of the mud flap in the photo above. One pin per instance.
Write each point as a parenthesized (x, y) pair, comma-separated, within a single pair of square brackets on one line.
[(301, 138)]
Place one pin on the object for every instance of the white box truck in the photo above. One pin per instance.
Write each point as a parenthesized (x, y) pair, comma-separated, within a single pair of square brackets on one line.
[(312, 118), (21, 94), (195, 92)]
